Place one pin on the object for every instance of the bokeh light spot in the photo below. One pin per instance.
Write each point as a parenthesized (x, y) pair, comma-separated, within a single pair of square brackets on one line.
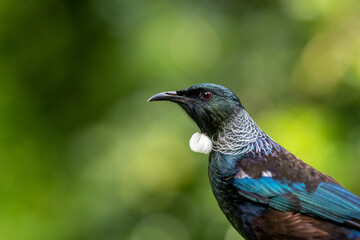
[(195, 46), (155, 227)]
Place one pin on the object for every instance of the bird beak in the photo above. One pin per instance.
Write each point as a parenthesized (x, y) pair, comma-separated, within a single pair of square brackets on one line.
[(172, 96)]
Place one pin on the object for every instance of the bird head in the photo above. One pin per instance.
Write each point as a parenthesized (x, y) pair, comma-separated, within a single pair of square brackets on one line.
[(209, 105)]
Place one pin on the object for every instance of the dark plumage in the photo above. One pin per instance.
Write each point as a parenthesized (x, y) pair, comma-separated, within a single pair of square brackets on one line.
[(264, 190)]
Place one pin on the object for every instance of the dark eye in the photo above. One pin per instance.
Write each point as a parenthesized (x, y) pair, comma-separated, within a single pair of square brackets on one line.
[(206, 95)]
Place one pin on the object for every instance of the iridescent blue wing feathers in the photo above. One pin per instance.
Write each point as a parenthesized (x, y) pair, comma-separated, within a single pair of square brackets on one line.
[(329, 201)]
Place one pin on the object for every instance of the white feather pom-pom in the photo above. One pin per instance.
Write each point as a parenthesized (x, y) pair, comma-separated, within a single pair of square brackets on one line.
[(201, 143)]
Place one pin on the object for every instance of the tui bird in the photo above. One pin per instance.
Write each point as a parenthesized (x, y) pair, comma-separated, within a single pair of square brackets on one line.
[(264, 191)]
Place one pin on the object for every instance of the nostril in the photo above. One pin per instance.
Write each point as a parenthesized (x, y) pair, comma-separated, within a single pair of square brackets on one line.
[(171, 93)]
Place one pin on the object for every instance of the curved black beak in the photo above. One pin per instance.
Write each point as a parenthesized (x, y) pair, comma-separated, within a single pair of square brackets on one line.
[(172, 96)]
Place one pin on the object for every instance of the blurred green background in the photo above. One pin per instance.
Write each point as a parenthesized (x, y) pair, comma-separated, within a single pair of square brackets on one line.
[(83, 156)]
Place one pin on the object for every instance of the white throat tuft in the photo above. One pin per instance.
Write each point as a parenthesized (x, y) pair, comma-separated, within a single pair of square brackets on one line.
[(201, 143)]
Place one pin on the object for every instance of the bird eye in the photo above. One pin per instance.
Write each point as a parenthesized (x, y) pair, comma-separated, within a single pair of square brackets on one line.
[(206, 95)]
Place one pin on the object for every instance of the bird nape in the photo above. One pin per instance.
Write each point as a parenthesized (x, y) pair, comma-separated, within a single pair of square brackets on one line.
[(264, 191)]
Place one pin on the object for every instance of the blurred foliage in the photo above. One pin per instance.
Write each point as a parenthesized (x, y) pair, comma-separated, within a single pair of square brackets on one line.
[(83, 156)]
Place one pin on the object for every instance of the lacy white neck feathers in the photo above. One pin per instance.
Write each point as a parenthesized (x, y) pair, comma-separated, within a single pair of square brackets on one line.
[(242, 135)]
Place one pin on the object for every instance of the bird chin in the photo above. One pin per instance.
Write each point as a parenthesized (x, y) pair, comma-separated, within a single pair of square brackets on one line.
[(201, 143)]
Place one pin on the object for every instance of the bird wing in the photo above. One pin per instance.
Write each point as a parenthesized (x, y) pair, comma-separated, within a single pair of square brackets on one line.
[(329, 201)]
